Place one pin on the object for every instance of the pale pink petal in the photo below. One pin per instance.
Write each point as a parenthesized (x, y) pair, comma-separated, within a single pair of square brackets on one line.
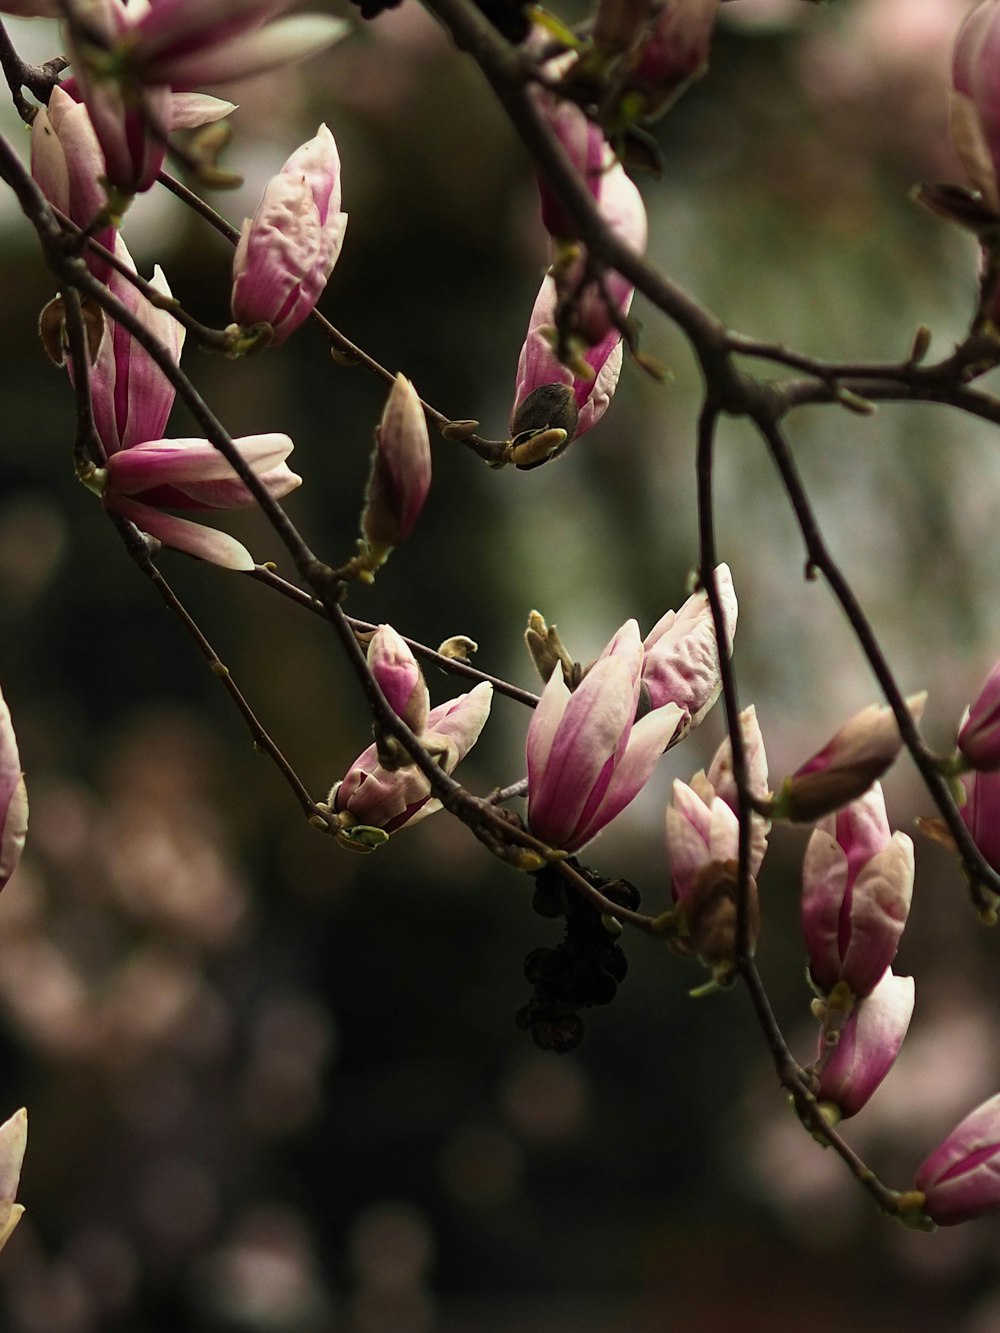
[(218, 548)]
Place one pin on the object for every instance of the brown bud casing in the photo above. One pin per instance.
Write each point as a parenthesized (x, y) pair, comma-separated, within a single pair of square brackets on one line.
[(712, 914)]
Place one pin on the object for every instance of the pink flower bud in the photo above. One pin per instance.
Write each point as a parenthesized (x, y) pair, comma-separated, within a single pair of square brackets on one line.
[(587, 149), (598, 306), (191, 474), (961, 1178), (720, 772), (590, 380), (13, 1142), (868, 1046), (378, 798), (720, 781), (67, 163), (857, 883), (13, 798), (287, 251), (131, 396), (131, 120), (401, 470), (699, 832), (681, 662), (130, 133), (861, 751), (979, 737), (673, 53), (975, 118), (538, 404), (587, 756), (399, 677), (703, 840), (981, 813)]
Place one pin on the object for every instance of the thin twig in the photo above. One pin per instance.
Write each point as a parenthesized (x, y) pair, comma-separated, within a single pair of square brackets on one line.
[(138, 548), (491, 451), (454, 666)]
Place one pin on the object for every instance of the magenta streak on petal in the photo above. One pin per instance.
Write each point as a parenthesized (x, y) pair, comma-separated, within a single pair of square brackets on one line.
[(969, 1163), (593, 801), (122, 348)]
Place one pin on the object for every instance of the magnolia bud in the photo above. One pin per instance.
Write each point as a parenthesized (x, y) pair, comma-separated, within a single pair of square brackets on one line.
[(960, 1179), (13, 798), (979, 737), (861, 751), (401, 470), (399, 677)]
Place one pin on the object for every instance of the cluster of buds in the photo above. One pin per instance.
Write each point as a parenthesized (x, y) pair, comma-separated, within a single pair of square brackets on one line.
[(383, 790), (277, 281), (596, 735), (572, 355), (857, 883), (145, 474)]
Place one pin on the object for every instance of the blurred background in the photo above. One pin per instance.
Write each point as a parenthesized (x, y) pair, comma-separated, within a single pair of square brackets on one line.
[(275, 1088)]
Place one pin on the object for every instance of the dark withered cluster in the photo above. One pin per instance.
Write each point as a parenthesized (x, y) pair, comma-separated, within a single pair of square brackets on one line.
[(585, 969)]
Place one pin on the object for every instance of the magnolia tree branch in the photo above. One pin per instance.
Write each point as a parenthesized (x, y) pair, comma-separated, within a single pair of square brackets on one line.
[(138, 548), (981, 874), (486, 821), (452, 665), (38, 79), (344, 350), (790, 1073), (515, 76)]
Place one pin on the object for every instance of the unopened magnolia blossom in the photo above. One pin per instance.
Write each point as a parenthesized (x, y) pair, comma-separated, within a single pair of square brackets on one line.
[(399, 678), (671, 54), (960, 1179), (67, 163), (860, 752), (287, 250), (131, 395), (13, 1142), (566, 376), (681, 657), (400, 476), (587, 756), (981, 813), (979, 735), (13, 798), (867, 1047), (720, 781), (857, 881)]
